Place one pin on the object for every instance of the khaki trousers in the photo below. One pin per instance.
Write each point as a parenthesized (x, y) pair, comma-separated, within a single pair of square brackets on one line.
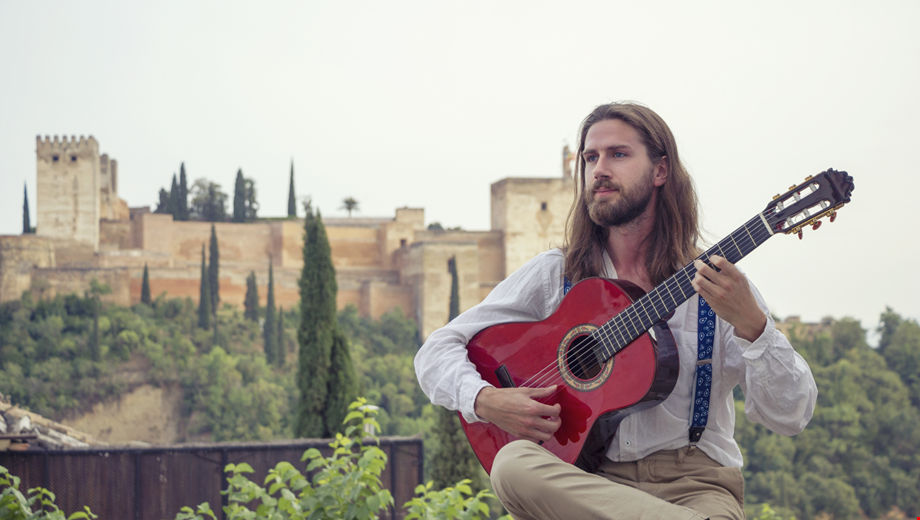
[(532, 483)]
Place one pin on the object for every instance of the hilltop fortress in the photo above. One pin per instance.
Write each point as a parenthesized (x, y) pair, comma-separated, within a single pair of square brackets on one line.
[(85, 231)]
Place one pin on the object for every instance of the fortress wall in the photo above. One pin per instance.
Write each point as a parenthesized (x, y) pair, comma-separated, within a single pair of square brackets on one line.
[(67, 196), (115, 235), (291, 236), (134, 258), (532, 214), (426, 269), (70, 253), (378, 298), (69, 280), (19, 255), (354, 246)]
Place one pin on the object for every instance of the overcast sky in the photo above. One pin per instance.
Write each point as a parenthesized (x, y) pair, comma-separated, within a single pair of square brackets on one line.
[(425, 104)]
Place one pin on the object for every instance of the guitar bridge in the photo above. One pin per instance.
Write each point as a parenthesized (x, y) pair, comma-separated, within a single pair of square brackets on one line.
[(504, 377)]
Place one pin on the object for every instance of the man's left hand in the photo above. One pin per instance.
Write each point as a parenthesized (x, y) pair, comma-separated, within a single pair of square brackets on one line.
[(728, 293)]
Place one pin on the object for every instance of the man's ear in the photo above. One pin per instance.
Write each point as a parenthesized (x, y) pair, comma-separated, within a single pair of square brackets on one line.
[(661, 171)]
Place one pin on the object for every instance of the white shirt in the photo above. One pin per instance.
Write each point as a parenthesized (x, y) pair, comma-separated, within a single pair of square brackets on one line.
[(779, 389)]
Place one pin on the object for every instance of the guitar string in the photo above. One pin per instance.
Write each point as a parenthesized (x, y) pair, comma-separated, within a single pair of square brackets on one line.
[(588, 351), (585, 349)]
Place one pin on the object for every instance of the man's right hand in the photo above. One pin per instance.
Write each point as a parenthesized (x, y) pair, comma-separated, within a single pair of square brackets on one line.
[(516, 411)]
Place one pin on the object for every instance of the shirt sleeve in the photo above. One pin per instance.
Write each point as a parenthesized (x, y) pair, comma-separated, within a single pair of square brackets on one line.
[(779, 388), (442, 366)]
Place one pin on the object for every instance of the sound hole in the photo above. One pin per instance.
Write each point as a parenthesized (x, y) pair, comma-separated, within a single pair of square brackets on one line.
[(581, 360)]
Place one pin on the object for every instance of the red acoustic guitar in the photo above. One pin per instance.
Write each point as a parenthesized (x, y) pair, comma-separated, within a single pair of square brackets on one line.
[(608, 346)]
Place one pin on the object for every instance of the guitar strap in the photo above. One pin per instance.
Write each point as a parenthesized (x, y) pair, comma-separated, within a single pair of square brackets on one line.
[(706, 331)]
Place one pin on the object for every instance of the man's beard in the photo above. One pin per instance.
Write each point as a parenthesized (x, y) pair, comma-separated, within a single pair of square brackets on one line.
[(627, 209)]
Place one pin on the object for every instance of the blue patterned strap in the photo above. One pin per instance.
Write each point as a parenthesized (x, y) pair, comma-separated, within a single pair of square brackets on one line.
[(706, 332), (566, 285)]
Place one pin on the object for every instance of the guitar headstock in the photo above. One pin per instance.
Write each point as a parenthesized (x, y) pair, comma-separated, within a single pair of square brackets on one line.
[(805, 204)]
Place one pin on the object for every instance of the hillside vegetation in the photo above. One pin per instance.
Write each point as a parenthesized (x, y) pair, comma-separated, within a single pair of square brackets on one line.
[(858, 458)]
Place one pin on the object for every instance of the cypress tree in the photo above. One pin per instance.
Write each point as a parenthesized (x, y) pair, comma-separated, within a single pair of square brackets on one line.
[(251, 303), (239, 198), (317, 329), (214, 271), (204, 296), (454, 307), (268, 329), (292, 207), (280, 349), (343, 386), (26, 221), (145, 287), (172, 205), (454, 459), (183, 194)]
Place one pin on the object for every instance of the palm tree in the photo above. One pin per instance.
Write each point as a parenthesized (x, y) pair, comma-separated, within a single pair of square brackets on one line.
[(350, 204)]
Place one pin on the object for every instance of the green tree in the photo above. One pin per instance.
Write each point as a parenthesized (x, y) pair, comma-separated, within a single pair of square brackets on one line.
[(349, 204), (162, 202), (183, 194), (252, 206), (204, 296), (316, 333), (251, 303), (280, 347), (454, 459), (902, 354), (453, 309), (343, 387), (214, 270), (268, 329), (239, 198), (209, 202), (26, 222), (145, 287), (292, 206), (172, 205)]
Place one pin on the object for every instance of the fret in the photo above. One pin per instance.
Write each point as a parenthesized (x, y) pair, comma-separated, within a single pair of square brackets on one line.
[(629, 324)]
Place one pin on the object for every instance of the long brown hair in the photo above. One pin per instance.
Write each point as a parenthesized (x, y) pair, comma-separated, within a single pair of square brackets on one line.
[(673, 240)]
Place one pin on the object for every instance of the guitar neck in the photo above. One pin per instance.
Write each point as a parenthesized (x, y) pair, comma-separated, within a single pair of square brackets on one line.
[(652, 307)]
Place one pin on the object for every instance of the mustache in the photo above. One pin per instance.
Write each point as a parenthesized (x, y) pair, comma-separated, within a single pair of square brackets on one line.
[(604, 184)]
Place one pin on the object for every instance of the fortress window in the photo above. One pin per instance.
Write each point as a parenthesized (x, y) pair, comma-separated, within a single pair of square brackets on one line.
[(402, 242), (56, 157), (542, 206), (73, 158)]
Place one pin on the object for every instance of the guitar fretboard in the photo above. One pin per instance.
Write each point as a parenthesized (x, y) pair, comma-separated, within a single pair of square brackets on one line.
[(652, 307)]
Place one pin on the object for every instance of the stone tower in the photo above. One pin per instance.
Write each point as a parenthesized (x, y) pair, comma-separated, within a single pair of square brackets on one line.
[(68, 204)]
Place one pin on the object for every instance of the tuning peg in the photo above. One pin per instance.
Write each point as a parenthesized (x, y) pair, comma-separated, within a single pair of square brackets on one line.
[(810, 177), (800, 235), (776, 196), (833, 216), (816, 225), (792, 187)]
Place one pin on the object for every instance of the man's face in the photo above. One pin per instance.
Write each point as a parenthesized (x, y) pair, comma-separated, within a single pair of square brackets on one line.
[(620, 179)]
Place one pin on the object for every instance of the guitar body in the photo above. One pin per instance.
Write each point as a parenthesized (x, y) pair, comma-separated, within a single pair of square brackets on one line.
[(594, 397)]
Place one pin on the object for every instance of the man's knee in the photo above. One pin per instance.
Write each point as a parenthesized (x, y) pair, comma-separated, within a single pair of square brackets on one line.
[(512, 469)]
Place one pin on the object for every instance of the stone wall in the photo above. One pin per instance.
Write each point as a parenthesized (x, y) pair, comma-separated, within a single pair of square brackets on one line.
[(68, 189), (532, 215), (19, 255)]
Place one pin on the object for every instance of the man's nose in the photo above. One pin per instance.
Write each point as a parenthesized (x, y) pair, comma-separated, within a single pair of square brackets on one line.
[(601, 168)]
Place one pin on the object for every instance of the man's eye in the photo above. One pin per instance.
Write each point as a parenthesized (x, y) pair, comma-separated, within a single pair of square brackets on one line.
[(619, 155), (590, 158)]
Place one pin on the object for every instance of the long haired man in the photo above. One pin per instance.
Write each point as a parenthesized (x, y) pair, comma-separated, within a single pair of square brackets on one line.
[(634, 218)]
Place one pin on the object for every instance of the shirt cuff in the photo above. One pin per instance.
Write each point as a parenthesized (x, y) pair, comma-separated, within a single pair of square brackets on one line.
[(469, 390), (756, 349)]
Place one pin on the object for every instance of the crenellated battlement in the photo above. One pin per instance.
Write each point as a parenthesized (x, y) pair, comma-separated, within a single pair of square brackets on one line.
[(46, 148)]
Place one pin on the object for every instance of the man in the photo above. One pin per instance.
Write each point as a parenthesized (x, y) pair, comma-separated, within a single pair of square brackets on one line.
[(634, 218)]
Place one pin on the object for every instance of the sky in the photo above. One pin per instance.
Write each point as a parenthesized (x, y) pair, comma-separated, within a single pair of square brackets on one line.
[(426, 104)]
